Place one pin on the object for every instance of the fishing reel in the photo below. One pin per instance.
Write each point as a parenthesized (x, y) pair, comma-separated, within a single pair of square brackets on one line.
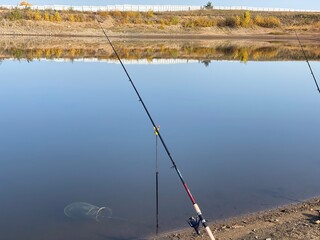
[(194, 222)]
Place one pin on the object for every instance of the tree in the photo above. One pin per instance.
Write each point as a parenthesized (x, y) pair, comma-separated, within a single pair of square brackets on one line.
[(208, 6), (25, 4)]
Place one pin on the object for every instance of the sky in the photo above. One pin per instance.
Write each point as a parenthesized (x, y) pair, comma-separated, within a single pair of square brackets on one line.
[(294, 4)]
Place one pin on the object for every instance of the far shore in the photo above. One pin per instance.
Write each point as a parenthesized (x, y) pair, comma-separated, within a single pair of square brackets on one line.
[(257, 37), (294, 221), (183, 25)]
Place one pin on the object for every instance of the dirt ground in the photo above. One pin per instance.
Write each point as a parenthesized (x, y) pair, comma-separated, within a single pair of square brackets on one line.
[(296, 221)]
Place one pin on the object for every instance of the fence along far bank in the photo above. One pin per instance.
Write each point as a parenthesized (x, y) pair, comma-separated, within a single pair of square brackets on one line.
[(155, 8)]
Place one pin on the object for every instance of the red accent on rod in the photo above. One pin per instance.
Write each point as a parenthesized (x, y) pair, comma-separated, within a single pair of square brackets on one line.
[(189, 193)]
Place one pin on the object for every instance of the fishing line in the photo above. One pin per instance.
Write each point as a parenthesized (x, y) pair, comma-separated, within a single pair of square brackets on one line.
[(305, 56), (200, 218)]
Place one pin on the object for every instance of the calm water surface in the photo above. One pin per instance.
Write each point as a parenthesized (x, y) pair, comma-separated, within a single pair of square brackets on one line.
[(246, 137)]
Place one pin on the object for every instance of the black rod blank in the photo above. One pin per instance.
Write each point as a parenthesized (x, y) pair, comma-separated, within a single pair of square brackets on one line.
[(305, 56)]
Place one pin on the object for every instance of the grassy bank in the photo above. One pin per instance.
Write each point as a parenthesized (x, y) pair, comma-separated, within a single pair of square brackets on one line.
[(202, 21)]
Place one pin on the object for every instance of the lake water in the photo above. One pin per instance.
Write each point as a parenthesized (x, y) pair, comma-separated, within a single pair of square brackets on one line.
[(246, 137)]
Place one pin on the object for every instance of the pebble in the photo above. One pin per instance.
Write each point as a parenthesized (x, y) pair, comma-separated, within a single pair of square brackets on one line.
[(284, 211), (317, 222), (271, 220), (268, 238), (237, 226)]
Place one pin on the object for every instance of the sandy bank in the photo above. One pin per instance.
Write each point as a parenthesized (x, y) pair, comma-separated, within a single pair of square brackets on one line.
[(295, 221)]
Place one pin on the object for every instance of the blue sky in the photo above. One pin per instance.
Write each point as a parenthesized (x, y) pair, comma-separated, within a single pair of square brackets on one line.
[(297, 4)]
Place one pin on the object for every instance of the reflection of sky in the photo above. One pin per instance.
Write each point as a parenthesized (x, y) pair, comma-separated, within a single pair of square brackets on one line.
[(76, 132), (306, 4)]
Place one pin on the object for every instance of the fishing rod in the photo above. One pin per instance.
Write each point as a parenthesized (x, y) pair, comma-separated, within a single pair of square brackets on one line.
[(305, 56), (156, 130), (193, 222)]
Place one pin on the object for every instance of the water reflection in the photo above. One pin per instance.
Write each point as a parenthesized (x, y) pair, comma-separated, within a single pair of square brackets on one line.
[(204, 51)]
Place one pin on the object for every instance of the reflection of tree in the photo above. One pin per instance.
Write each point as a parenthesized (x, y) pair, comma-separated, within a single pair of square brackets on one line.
[(265, 53), (157, 51), (242, 55), (206, 63), (17, 53)]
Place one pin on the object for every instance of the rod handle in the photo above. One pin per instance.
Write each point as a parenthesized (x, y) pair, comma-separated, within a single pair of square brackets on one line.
[(197, 208), (209, 233)]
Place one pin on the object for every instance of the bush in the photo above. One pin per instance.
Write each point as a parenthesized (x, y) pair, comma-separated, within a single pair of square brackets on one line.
[(103, 13), (46, 16), (134, 17), (71, 18), (233, 22), (131, 14), (188, 24), (246, 19), (15, 15), (272, 22), (28, 14), (268, 22), (203, 22), (174, 20), (116, 14), (316, 24), (37, 16), (150, 14), (200, 22), (57, 17), (79, 18), (163, 22), (137, 20), (238, 21)]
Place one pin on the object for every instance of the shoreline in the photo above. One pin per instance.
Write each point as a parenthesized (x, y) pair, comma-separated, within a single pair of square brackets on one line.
[(183, 36), (293, 221)]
